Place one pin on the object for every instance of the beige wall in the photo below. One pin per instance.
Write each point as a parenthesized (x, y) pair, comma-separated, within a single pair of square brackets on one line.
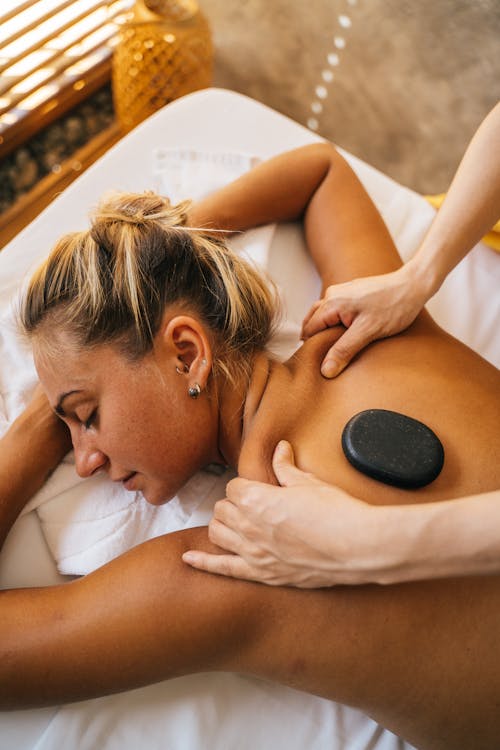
[(413, 80)]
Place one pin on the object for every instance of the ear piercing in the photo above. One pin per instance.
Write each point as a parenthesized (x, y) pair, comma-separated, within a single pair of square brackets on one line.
[(194, 391)]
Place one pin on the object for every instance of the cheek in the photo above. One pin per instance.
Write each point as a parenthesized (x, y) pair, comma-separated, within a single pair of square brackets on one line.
[(181, 441), (150, 431), (158, 430)]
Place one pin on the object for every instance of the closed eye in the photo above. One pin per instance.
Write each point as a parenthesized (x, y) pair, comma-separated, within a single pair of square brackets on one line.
[(91, 420)]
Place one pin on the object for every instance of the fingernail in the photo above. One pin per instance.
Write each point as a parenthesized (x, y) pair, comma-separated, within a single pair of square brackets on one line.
[(329, 369), (189, 557), (282, 446)]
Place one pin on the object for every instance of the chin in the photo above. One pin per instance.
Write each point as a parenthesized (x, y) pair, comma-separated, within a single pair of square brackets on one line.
[(158, 497)]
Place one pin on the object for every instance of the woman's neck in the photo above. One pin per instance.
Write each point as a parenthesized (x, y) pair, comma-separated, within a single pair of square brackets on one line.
[(238, 405), (289, 388)]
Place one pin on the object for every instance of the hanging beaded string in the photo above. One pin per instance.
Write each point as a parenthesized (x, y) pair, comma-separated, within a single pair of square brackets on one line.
[(321, 90)]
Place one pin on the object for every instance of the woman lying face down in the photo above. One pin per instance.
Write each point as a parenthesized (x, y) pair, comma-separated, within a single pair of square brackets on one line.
[(149, 339), (145, 336), (150, 342)]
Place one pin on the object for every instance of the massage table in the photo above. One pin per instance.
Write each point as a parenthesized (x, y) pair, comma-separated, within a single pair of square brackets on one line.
[(219, 132)]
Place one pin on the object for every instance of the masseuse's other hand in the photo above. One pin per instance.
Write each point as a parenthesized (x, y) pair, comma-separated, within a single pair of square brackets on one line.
[(370, 308), (304, 533)]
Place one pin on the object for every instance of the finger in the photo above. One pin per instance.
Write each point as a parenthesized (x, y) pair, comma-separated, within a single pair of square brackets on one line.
[(243, 492), (325, 316), (284, 467), (224, 537), (228, 513), (224, 565), (309, 314), (342, 352)]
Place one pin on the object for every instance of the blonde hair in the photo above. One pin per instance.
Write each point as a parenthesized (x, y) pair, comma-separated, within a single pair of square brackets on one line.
[(112, 283)]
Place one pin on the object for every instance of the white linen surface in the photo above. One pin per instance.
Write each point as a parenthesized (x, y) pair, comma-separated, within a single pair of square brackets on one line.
[(200, 711)]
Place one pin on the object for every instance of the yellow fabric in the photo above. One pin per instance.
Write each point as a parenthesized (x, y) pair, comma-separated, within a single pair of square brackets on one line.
[(492, 238)]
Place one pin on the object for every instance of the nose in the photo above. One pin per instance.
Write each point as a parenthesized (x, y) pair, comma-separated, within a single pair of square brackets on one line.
[(88, 458)]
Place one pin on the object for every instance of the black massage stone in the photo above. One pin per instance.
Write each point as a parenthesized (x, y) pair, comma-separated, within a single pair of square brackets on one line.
[(393, 448)]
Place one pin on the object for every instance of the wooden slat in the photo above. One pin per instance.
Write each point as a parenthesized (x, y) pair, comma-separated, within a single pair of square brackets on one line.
[(31, 204), (18, 9), (54, 108), (52, 77), (30, 27), (48, 62), (19, 97)]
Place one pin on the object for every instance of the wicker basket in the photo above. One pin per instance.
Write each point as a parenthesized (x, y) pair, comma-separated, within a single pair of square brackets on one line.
[(160, 58)]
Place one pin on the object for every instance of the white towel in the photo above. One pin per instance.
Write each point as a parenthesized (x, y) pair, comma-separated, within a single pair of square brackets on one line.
[(88, 522)]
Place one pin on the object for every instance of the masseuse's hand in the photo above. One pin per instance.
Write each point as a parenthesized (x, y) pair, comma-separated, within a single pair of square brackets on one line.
[(305, 533), (370, 308)]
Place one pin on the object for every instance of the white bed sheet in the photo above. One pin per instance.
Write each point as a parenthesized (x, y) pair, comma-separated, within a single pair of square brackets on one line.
[(221, 711)]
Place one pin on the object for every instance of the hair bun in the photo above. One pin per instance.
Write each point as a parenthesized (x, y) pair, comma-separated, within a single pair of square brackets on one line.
[(139, 209)]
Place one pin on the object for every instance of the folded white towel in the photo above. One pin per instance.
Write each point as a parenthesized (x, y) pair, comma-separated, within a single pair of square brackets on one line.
[(88, 522)]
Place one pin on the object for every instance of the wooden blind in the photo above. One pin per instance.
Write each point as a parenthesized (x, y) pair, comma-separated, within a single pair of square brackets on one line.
[(53, 53)]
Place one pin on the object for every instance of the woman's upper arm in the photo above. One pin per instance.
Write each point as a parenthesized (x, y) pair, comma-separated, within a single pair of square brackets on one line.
[(144, 617), (345, 233)]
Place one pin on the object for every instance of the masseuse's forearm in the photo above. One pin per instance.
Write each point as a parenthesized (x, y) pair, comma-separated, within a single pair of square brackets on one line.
[(470, 209), (438, 540), (311, 534), (29, 451)]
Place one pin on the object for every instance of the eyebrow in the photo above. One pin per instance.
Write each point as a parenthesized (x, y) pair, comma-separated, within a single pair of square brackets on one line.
[(58, 407)]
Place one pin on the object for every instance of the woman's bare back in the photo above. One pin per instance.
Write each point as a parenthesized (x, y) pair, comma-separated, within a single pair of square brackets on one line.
[(423, 373), (420, 657)]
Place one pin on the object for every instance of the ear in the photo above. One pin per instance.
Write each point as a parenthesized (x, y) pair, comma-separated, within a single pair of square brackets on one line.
[(188, 344)]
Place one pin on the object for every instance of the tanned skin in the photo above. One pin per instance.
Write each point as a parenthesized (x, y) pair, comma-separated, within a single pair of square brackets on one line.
[(423, 658)]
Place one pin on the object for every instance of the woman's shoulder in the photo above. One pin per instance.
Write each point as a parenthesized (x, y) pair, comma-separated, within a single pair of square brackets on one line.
[(292, 395)]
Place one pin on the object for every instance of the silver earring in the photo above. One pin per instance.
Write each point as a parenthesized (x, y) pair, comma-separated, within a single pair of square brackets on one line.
[(182, 371), (194, 391)]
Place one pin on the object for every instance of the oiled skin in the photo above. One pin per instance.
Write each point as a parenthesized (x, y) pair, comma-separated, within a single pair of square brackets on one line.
[(421, 658)]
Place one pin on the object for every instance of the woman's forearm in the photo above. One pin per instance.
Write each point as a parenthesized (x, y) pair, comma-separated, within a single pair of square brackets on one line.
[(471, 208), (277, 190), (30, 450), (315, 184)]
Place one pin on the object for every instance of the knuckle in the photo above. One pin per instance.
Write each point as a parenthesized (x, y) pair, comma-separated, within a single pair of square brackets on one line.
[(219, 508), (234, 487), (224, 565), (251, 497), (214, 528)]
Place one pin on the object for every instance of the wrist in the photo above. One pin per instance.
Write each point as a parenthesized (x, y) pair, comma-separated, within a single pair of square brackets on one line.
[(424, 276)]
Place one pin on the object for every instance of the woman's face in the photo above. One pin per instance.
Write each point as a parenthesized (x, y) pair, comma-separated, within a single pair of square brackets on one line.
[(135, 421)]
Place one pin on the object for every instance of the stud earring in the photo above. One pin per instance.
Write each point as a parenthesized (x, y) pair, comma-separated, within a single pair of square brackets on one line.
[(194, 391), (182, 371)]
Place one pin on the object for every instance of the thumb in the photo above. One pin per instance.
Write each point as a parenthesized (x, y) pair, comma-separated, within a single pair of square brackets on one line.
[(348, 345), (284, 467)]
